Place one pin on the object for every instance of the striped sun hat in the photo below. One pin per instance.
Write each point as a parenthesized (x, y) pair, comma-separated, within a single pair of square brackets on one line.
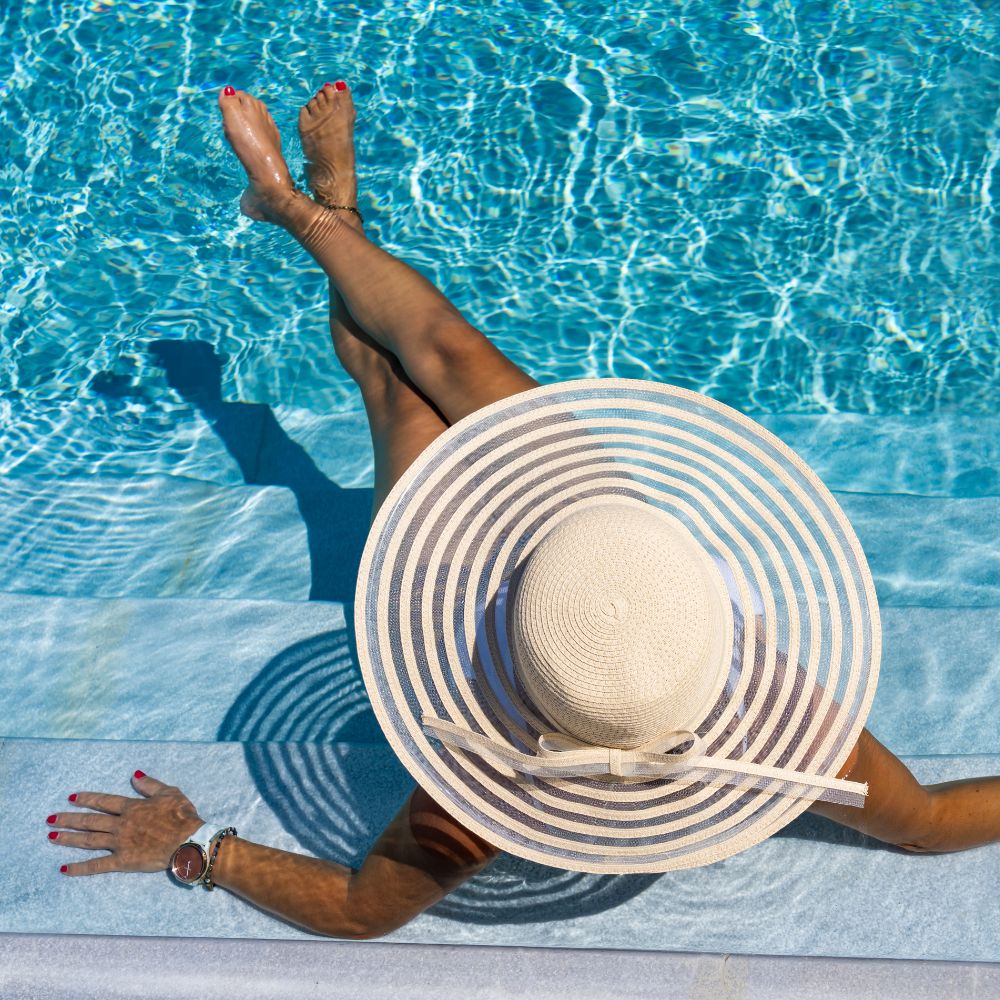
[(615, 626)]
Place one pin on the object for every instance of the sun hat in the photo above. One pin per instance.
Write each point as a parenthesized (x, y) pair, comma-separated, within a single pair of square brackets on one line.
[(617, 626)]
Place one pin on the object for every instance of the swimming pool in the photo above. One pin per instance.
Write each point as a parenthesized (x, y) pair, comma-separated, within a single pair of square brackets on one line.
[(788, 207)]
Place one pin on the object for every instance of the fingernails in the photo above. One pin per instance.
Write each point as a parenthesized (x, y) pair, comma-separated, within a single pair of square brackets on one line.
[(229, 92), (140, 774), (64, 868), (340, 85), (72, 797), (51, 820), (53, 835)]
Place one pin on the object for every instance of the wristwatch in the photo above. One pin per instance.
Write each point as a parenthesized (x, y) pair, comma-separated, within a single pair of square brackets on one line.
[(192, 862)]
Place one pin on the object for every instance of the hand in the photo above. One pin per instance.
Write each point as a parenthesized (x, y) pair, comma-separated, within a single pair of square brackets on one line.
[(141, 834)]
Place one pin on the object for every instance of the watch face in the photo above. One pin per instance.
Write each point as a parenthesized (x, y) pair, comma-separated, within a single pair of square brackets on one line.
[(189, 863)]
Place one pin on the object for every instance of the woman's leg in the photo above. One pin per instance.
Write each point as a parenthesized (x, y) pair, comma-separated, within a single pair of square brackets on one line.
[(402, 422), (899, 810), (446, 358), (401, 419)]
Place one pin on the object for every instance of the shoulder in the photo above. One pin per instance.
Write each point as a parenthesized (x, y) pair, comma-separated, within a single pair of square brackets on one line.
[(444, 838)]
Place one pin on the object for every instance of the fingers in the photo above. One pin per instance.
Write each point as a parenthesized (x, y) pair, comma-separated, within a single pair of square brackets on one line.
[(116, 804), (86, 841), (95, 866), (105, 803), (98, 822), (140, 833), (147, 786)]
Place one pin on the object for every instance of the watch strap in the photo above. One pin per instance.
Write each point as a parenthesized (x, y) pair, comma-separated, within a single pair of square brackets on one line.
[(202, 836)]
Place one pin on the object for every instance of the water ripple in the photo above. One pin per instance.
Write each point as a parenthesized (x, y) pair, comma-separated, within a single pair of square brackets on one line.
[(790, 207)]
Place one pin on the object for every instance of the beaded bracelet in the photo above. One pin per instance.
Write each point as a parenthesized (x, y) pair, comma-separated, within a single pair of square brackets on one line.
[(218, 838)]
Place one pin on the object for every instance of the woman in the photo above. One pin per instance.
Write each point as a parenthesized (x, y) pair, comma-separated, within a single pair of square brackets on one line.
[(420, 368)]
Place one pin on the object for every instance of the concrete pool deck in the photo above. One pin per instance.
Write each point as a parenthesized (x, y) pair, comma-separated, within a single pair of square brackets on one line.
[(100, 968)]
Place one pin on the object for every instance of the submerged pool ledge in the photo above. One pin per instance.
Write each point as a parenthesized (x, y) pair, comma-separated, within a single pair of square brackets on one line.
[(47, 967), (814, 889)]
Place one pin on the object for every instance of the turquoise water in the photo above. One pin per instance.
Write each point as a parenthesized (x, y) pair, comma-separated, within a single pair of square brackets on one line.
[(787, 206)]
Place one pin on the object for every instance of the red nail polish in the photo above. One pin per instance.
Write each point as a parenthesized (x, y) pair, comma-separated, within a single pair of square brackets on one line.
[(51, 819), (340, 85), (64, 868), (72, 798), (53, 835), (327, 84), (140, 774), (229, 91)]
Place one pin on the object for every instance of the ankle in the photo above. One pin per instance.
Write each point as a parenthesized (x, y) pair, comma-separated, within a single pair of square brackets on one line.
[(296, 212)]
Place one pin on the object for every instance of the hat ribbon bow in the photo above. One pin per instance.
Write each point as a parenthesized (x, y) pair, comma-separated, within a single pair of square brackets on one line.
[(563, 756)]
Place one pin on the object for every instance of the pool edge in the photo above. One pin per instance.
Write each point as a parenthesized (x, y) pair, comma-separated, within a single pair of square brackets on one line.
[(42, 966)]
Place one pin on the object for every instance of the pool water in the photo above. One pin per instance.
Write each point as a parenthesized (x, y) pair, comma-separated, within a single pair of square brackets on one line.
[(789, 207)]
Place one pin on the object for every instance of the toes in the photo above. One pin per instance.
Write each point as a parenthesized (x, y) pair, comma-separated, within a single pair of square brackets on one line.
[(311, 108), (315, 106)]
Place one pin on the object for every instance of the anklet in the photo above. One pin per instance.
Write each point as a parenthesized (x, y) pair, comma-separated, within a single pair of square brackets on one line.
[(345, 208), (323, 204)]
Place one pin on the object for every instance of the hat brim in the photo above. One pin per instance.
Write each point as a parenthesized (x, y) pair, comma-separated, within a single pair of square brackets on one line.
[(451, 536)]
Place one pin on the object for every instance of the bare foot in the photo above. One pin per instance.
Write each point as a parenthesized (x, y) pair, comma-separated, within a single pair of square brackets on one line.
[(326, 125), (251, 131)]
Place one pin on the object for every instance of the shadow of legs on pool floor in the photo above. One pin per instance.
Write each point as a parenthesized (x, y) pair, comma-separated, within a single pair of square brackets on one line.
[(336, 519)]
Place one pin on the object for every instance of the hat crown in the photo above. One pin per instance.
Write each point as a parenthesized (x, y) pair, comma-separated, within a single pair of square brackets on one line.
[(619, 630)]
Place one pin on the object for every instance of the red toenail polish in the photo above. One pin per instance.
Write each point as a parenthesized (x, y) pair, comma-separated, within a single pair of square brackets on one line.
[(51, 820), (327, 84), (140, 774), (53, 835), (72, 798), (229, 91), (340, 85), (64, 868)]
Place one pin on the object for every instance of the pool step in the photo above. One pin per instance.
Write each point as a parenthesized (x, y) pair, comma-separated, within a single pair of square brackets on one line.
[(231, 443), (169, 537), (926, 454), (810, 890), (157, 536), (226, 443), (200, 670)]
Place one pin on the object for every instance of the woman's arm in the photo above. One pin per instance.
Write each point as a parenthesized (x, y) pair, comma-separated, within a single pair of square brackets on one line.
[(951, 816), (420, 857)]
